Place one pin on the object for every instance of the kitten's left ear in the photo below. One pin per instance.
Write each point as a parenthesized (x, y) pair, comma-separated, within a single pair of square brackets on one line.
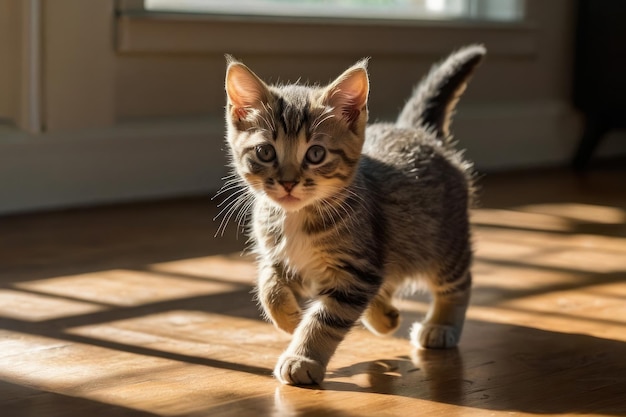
[(347, 95), (245, 90)]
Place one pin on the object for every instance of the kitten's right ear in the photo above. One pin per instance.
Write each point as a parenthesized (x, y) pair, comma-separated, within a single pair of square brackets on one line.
[(244, 89), (347, 95)]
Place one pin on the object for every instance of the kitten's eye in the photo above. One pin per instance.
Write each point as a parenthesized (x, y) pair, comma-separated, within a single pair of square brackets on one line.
[(315, 154), (266, 153)]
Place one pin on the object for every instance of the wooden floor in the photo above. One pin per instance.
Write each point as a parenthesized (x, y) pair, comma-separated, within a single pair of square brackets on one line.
[(138, 310)]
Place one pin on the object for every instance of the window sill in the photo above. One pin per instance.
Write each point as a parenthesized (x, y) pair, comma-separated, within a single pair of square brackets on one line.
[(172, 33)]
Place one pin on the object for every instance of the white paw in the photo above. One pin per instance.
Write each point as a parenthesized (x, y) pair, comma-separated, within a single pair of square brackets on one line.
[(434, 336), (299, 370)]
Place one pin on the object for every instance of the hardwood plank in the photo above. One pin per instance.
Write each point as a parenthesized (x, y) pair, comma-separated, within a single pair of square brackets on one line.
[(138, 310)]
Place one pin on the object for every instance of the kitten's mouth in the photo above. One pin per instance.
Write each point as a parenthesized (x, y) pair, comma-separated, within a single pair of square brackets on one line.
[(289, 203), (288, 199)]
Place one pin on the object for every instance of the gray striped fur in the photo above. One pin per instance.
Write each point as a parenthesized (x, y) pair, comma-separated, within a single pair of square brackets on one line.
[(337, 239)]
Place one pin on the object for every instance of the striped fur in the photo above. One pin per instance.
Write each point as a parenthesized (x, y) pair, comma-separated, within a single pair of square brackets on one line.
[(344, 215)]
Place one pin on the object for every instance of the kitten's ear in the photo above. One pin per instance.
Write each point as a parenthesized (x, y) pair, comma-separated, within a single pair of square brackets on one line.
[(244, 89), (347, 95)]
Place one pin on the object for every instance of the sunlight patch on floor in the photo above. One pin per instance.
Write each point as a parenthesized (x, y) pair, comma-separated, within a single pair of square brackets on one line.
[(557, 217), (33, 307), (579, 212), (186, 332), (125, 288), (234, 268), (151, 383)]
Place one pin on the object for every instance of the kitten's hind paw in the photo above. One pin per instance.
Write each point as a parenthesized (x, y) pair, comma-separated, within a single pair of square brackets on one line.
[(299, 370), (381, 321), (287, 322), (434, 336)]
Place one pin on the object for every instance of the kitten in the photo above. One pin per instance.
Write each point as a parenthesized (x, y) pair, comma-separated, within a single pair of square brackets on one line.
[(344, 214)]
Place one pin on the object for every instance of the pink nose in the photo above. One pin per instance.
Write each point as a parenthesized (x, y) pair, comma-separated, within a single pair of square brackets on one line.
[(288, 185)]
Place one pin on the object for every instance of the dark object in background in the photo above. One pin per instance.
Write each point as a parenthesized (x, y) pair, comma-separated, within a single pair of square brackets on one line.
[(600, 72)]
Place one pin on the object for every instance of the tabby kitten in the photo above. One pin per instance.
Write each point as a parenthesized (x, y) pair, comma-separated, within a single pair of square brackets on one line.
[(344, 214)]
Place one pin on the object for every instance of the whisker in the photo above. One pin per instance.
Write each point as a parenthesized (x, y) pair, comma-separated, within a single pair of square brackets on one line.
[(326, 115), (235, 209), (316, 134), (229, 210), (243, 214), (231, 179), (321, 215), (226, 189), (228, 206), (269, 110), (235, 194)]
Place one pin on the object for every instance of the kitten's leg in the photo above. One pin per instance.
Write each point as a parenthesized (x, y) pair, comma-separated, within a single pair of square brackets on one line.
[(278, 300), (381, 317), (443, 324), (323, 327)]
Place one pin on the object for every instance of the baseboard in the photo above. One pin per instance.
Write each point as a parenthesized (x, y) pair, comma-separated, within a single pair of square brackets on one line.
[(158, 160), (126, 163), (517, 135)]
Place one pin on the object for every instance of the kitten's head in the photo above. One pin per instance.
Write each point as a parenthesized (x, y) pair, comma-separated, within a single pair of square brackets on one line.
[(295, 144)]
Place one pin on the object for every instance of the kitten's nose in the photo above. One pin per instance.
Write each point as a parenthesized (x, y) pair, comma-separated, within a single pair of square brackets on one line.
[(288, 185)]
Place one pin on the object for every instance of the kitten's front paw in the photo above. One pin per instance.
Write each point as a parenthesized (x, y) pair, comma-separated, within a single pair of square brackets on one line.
[(434, 336), (299, 370)]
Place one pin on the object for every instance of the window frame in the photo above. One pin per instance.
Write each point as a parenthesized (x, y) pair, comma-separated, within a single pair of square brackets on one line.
[(474, 10), (142, 31)]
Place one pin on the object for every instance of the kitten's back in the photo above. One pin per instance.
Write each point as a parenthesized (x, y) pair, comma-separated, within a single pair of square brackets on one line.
[(428, 185)]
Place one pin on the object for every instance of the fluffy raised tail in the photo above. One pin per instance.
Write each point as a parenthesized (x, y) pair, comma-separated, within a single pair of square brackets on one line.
[(434, 99)]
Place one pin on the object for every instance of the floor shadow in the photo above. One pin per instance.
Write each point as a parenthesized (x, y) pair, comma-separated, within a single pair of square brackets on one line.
[(511, 368), (129, 236), (537, 186), (586, 228)]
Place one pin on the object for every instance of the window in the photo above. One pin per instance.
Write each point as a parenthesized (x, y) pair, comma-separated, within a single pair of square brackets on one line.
[(493, 10)]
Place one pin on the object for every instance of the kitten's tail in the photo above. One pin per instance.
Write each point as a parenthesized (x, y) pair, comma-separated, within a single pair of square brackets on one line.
[(435, 97)]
